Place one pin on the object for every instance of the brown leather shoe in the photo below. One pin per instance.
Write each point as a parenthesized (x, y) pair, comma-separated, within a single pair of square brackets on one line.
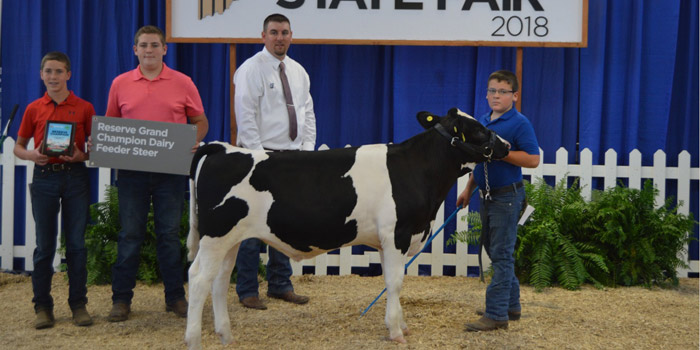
[(253, 303), (120, 312), (512, 315), (179, 307), (485, 324), (81, 317), (44, 319), (290, 297)]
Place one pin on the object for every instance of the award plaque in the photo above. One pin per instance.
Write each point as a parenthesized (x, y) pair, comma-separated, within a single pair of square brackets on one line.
[(58, 138)]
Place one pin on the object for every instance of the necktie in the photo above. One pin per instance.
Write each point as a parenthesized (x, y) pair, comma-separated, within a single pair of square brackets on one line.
[(290, 103)]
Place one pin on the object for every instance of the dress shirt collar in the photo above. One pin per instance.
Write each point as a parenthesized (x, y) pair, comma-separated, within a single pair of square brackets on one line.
[(274, 60)]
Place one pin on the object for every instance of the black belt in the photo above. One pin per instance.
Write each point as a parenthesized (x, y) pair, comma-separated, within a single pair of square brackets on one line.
[(501, 190), (58, 167)]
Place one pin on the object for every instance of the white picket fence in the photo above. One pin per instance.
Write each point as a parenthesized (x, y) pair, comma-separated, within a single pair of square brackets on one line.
[(586, 171)]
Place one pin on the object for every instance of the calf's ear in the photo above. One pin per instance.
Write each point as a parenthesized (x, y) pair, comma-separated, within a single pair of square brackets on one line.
[(427, 119)]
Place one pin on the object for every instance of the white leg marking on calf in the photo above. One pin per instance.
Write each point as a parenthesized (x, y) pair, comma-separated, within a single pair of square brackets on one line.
[(193, 332), (219, 292), (201, 276), (393, 264)]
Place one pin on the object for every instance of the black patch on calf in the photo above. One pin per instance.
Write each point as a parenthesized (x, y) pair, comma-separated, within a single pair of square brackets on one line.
[(312, 197), (418, 181), (220, 172), (423, 168)]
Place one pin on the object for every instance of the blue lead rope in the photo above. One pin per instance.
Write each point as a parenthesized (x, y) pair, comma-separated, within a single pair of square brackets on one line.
[(415, 256)]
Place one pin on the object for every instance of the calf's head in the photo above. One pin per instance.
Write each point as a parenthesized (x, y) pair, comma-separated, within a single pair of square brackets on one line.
[(477, 143)]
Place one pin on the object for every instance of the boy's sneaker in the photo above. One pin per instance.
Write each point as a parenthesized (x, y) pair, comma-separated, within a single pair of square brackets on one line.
[(44, 319), (81, 317)]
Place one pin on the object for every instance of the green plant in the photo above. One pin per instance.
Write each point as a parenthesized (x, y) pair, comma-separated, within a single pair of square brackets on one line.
[(101, 238), (472, 234), (551, 246), (641, 242)]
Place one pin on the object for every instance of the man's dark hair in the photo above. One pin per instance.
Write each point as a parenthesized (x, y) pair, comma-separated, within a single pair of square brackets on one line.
[(56, 56), (275, 17), (149, 30), (507, 76)]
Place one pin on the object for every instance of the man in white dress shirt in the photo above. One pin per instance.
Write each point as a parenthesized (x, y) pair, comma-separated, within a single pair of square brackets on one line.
[(264, 118)]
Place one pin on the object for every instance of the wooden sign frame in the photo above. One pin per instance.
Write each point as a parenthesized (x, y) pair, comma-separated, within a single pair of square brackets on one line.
[(512, 17), (510, 12)]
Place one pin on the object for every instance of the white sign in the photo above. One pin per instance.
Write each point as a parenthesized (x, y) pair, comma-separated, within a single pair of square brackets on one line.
[(403, 22)]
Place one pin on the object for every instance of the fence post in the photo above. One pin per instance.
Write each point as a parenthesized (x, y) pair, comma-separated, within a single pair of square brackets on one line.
[(635, 170), (683, 197), (610, 168), (586, 178), (562, 165), (659, 177), (7, 159)]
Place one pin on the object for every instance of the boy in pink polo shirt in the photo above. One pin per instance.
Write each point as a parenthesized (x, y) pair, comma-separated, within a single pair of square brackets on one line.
[(154, 92)]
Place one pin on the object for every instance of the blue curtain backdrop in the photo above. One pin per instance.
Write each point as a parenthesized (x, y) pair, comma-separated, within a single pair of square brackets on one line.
[(634, 87)]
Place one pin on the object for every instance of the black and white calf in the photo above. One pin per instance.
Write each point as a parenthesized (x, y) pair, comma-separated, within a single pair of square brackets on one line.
[(308, 203)]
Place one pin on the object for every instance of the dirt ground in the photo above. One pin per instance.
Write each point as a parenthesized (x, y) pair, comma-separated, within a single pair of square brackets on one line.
[(435, 308)]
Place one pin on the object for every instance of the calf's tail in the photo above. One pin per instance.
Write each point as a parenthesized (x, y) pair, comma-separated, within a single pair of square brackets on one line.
[(199, 157)]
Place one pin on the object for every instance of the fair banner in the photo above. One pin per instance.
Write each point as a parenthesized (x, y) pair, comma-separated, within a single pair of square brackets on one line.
[(142, 145), (552, 23)]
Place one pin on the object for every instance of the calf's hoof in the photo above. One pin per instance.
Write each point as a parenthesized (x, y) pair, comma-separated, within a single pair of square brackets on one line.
[(400, 339), (193, 344), (226, 337)]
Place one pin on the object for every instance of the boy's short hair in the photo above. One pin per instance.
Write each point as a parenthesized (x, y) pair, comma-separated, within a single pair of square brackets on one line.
[(275, 17), (149, 30), (56, 56), (507, 76)]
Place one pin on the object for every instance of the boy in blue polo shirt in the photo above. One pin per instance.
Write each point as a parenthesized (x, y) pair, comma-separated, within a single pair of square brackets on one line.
[(502, 197)]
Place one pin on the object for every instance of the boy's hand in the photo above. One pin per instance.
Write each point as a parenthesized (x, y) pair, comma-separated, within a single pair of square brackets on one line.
[(37, 157), (463, 199), (77, 156)]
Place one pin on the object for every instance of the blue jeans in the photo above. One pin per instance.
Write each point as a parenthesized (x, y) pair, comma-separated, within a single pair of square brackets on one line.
[(499, 224), (69, 190), (278, 270), (136, 190)]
